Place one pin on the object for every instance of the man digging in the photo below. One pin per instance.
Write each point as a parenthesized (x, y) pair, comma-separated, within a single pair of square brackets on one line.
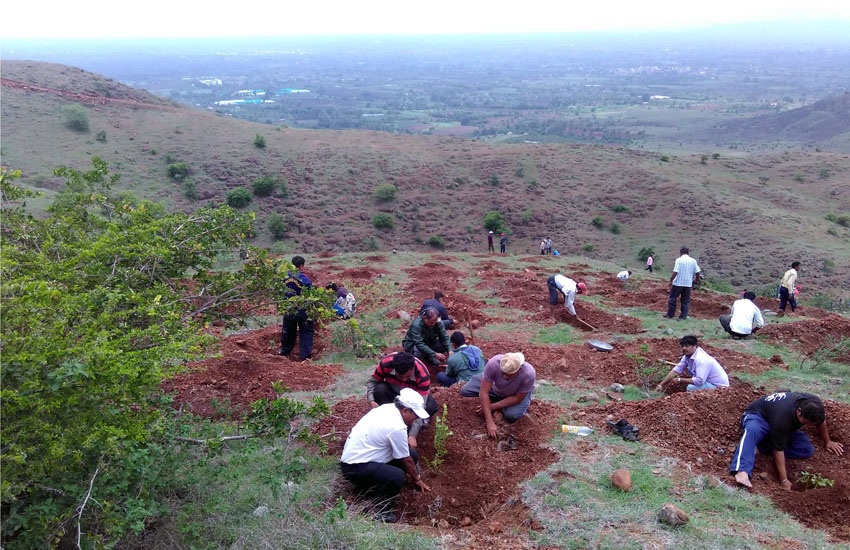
[(504, 389), (772, 425), (568, 287)]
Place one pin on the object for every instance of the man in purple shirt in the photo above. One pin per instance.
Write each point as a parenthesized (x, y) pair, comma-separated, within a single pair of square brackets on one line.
[(504, 389), (704, 370)]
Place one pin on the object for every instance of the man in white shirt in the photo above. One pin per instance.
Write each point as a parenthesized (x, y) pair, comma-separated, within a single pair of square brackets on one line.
[(623, 275), (567, 287), (745, 318), (686, 272), (787, 287), (377, 457)]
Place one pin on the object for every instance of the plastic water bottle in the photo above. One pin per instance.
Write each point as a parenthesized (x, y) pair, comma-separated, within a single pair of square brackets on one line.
[(576, 430)]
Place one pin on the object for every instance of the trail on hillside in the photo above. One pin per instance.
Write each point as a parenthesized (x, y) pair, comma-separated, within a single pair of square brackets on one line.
[(86, 98)]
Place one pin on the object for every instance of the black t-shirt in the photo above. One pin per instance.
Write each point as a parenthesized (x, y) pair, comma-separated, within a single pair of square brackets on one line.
[(780, 411)]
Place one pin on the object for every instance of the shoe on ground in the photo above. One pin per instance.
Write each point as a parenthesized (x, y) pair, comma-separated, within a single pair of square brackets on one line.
[(666, 316), (681, 318), (386, 516)]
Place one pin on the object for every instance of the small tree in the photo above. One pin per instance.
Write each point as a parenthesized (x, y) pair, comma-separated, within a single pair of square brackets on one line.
[(385, 192), (645, 253), (277, 226), (437, 242), (616, 229), (383, 221), (190, 189), (178, 171), (265, 186), (494, 221), (238, 198), (598, 222), (76, 117), (259, 141), (527, 217), (703, 159)]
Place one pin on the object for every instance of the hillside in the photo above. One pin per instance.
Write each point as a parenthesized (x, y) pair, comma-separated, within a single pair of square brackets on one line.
[(821, 122), (742, 231)]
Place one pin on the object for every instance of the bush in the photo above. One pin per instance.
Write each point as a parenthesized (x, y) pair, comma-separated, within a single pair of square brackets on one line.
[(383, 221), (238, 198), (178, 171), (840, 219), (76, 117), (437, 241), (265, 186), (385, 192), (645, 253), (494, 221), (372, 244), (277, 226), (665, 158), (493, 180), (828, 266), (616, 229), (715, 156), (527, 217), (190, 189), (619, 208), (259, 141), (799, 178), (101, 136), (598, 222), (587, 247)]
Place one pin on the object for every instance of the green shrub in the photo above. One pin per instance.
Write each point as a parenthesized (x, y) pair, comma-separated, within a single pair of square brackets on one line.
[(259, 141), (190, 189), (437, 241), (598, 222), (532, 183), (799, 178), (277, 226), (665, 158), (76, 117), (587, 247), (840, 219), (372, 244), (828, 266), (619, 208), (178, 171), (703, 159), (385, 192), (101, 136), (265, 186), (494, 221), (493, 180), (383, 221), (645, 253), (715, 156), (238, 198), (616, 229), (527, 217)]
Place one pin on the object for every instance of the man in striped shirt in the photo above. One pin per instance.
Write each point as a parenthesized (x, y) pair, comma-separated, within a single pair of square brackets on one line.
[(686, 272), (395, 372)]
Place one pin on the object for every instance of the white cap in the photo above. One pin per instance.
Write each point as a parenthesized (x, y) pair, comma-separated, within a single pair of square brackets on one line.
[(491, 232), (410, 399)]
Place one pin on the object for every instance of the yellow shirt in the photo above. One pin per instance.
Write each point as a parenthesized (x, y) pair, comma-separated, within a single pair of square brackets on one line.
[(789, 280)]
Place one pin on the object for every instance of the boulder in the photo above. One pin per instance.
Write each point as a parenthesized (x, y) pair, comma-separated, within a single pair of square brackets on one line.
[(672, 515), (615, 387), (404, 316), (260, 511), (622, 480)]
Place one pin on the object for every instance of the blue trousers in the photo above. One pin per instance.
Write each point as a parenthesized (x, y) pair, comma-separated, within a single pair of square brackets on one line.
[(756, 432), (512, 413), (553, 290), (675, 292), (446, 380), (786, 297), (292, 324), (705, 386)]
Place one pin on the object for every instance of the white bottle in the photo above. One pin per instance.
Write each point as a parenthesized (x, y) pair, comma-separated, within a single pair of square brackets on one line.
[(576, 430)]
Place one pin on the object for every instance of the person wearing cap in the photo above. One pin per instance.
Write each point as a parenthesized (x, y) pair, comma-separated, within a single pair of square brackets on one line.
[(490, 242), (466, 361), (427, 338), (503, 243), (745, 319), (437, 303), (377, 457), (394, 373), (686, 273), (704, 370), (504, 388), (567, 287)]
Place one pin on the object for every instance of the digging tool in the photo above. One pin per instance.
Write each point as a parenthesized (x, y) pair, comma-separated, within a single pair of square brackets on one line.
[(585, 323), (665, 362), (469, 324)]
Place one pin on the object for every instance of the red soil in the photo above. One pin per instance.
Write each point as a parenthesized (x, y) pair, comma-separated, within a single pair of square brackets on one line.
[(475, 480), (811, 335), (703, 428)]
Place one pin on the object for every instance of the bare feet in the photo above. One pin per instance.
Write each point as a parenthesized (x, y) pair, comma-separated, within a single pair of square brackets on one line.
[(741, 478)]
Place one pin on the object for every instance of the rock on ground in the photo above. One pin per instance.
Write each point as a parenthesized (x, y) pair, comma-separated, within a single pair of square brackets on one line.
[(622, 480), (672, 515)]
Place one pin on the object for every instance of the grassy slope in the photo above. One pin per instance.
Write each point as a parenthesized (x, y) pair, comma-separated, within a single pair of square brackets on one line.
[(741, 231)]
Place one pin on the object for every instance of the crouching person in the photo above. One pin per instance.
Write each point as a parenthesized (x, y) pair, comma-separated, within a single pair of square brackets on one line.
[(466, 361), (771, 425), (377, 458), (504, 388)]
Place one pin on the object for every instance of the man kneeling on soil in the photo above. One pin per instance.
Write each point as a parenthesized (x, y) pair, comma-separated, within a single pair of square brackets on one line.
[(464, 363), (504, 388), (772, 425), (394, 373), (567, 287), (427, 337), (704, 370), (377, 457), (745, 318)]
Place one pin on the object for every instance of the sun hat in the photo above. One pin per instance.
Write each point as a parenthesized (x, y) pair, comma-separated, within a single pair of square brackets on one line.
[(511, 362), (503, 234), (582, 287), (410, 399), (491, 232)]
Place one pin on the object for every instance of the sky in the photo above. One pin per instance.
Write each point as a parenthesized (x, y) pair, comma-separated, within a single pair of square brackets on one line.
[(176, 18)]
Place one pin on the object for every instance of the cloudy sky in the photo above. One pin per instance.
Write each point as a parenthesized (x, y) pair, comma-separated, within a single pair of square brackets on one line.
[(176, 18)]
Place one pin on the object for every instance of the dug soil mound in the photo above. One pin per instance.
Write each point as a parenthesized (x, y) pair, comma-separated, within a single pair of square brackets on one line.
[(702, 429), (226, 385), (597, 319), (827, 336), (359, 274), (772, 304), (426, 279), (477, 479)]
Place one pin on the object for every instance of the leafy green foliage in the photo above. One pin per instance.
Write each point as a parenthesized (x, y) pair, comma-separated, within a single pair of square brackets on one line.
[(260, 141), (587, 247), (647, 371), (527, 217), (100, 302), (383, 221), (815, 480), (619, 208), (178, 171), (493, 180), (616, 228), (190, 189), (437, 242), (597, 222), (265, 186), (441, 433), (385, 192), (645, 252), (238, 198), (840, 219), (277, 225), (494, 221), (76, 117)]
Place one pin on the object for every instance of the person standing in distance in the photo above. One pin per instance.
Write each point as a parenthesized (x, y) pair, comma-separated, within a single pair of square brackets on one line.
[(686, 272)]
